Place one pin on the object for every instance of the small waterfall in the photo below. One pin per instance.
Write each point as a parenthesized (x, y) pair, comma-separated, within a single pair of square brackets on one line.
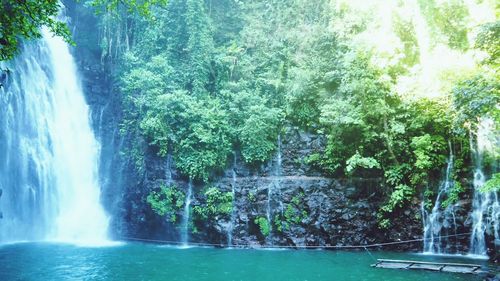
[(485, 205), (187, 212), (100, 122), (168, 170), (268, 213), (233, 211), (48, 152), (439, 222), (278, 174), (274, 187)]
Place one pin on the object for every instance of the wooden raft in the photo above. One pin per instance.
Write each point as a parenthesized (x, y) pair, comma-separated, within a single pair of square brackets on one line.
[(432, 266)]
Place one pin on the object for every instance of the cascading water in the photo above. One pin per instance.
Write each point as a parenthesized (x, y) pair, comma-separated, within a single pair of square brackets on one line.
[(233, 211), (485, 205), (168, 170), (274, 187), (49, 154), (278, 173), (268, 212), (187, 213), (440, 222)]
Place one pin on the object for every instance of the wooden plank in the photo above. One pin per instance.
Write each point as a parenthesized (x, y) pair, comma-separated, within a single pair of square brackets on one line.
[(393, 265), (460, 269), (424, 262), (431, 266)]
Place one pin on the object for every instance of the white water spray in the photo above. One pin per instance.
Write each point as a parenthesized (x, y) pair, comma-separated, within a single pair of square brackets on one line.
[(275, 187), (440, 222), (49, 160), (485, 205), (186, 218), (168, 169), (233, 211)]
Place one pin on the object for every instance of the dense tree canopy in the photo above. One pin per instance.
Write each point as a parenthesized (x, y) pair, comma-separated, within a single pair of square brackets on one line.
[(25, 19), (202, 87)]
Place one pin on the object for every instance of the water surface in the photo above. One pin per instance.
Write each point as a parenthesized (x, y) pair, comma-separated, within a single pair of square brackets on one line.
[(135, 261)]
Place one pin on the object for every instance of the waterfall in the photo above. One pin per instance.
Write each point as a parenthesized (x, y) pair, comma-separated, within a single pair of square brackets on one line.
[(233, 211), (186, 217), (48, 152), (278, 174), (168, 170), (485, 205), (274, 187), (440, 222), (268, 212)]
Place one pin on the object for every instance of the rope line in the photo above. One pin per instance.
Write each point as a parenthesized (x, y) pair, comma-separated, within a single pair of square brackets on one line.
[(370, 254), (288, 246)]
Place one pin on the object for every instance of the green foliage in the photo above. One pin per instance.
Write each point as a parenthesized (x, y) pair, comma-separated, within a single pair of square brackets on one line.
[(401, 195), (384, 223), (251, 197), (355, 117), (196, 129), (255, 125), (359, 161), (24, 20), (428, 196), (264, 225), (217, 203), (167, 201), (476, 98), (280, 224), (427, 150), (488, 40), (492, 184), (448, 19), (201, 79), (453, 195), (177, 95), (405, 30), (397, 174), (199, 46), (293, 214), (259, 133), (143, 7)]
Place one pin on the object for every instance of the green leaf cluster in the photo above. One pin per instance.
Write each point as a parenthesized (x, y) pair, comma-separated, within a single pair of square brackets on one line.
[(24, 20), (492, 184), (167, 201), (142, 7), (217, 203), (293, 214), (264, 225), (453, 195), (401, 195)]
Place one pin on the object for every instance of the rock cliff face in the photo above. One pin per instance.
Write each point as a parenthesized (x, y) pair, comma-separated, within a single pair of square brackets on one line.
[(105, 106), (303, 206)]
